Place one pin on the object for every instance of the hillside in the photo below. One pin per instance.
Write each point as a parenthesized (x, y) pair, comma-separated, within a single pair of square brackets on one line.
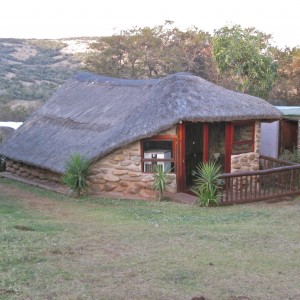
[(31, 70)]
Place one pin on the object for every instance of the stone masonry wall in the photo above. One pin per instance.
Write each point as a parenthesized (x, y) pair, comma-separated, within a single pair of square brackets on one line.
[(248, 161), (31, 172), (121, 172)]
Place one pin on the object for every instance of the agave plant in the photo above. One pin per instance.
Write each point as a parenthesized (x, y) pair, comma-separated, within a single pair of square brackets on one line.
[(76, 173), (160, 181), (207, 180)]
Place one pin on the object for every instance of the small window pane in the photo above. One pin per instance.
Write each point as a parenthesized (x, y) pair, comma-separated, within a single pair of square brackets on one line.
[(242, 138), (243, 133), (159, 150), (241, 148)]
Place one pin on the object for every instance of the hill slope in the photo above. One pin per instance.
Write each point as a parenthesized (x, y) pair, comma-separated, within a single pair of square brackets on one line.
[(31, 70)]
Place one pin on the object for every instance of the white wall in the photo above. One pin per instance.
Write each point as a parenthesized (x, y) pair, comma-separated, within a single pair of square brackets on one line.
[(269, 139), (13, 125)]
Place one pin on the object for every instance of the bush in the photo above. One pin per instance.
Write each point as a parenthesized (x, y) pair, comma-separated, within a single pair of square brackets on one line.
[(293, 156), (15, 115), (160, 181), (76, 173), (207, 182), (47, 44)]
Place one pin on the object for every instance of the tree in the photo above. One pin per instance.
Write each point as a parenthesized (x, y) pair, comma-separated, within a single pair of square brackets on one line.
[(243, 55), (287, 88), (151, 52)]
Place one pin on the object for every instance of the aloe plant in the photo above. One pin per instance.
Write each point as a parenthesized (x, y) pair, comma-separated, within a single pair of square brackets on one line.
[(160, 181), (207, 180), (75, 176)]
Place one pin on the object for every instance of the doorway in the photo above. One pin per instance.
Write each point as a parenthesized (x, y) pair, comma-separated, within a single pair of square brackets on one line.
[(201, 142), (193, 150), (216, 143), (288, 135)]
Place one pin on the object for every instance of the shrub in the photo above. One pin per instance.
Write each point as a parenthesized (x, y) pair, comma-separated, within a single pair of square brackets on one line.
[(47, 44), (76, 173), (293, 156), (207, 182), (160, 181), (18, 114)]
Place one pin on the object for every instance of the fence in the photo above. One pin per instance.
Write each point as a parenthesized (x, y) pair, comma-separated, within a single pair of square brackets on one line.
[(276, 179)]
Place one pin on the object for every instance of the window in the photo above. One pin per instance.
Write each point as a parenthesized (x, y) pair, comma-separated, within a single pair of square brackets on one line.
[(243, 138), (158, 153)]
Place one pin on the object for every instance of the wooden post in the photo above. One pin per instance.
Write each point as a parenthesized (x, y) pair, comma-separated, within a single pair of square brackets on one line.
[(180, 174), (205, 143)]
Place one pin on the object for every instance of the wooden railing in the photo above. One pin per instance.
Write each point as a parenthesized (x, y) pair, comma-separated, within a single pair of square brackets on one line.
[(277, 179), (266, 162)]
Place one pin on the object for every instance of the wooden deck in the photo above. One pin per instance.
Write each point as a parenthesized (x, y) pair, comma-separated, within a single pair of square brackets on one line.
[(276, 179)]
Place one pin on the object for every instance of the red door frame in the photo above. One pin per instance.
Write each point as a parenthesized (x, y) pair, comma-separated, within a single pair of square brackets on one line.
[(181, 175), (228, 146), (205, 142), (180, 157)]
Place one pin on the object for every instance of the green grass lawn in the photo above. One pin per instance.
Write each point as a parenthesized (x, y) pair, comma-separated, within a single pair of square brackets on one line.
[(55, 247)]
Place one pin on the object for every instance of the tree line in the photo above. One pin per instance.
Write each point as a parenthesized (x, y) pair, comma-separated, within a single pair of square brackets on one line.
[(241, 59)]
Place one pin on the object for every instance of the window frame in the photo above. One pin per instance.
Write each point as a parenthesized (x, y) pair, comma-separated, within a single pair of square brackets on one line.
[(157, 138), (243, 142)]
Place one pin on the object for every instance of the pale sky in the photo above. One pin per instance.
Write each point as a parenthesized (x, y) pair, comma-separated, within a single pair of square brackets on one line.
[(71, 18)]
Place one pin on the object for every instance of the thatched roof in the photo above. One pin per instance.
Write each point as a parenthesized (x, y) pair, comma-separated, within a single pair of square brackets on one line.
[(94, 115)]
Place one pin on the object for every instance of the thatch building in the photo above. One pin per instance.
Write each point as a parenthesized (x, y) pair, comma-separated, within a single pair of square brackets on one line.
[(126, 127)]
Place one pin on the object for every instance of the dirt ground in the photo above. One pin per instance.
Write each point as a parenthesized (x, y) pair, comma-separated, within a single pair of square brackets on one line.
[(35, 202)]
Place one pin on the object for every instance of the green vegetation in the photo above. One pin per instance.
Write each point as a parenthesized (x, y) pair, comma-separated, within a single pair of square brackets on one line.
[(151, 52), (243, 55), (48, 44), (53, 247), (207, 182), (14, 114), (288, 75), (76, 173), (237, 58), (160, 181), (293, 156), (31, 70)]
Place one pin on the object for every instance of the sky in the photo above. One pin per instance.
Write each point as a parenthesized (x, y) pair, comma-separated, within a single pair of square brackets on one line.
[(71, 18)]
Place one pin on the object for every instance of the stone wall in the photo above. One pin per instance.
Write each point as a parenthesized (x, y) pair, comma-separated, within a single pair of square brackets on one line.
[(31, 172), (245, 162), (121, 172), (248, 161)]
